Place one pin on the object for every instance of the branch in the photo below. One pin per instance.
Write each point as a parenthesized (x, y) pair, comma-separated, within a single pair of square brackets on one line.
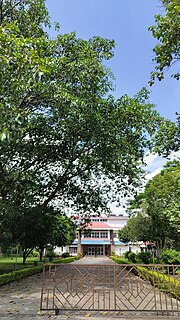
[(61, 179), (1, 11), (27, 100), (10, 10)]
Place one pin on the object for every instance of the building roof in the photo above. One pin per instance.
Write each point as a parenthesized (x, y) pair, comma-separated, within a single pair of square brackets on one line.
[(92, 241), (117, 242), (99, 226)]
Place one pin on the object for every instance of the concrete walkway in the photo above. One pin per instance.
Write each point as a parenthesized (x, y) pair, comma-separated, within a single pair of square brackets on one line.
[(21, 300), (93, 260)]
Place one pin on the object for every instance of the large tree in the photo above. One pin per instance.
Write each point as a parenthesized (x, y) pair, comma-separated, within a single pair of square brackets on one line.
[(64, 140), (167, 32)]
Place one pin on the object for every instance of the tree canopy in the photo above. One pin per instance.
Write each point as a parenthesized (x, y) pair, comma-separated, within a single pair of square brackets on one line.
[(167, 32), (65, 141), (159, 205)]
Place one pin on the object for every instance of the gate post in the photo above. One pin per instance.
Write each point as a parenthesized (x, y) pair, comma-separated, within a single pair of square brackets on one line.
[(112, 240), (79, 249)]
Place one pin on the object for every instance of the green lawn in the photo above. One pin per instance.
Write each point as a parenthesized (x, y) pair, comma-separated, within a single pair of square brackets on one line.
[(8, 264)]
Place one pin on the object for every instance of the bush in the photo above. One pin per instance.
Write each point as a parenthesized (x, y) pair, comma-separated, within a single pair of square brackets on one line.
[(65, 254), (120, 260), (144, 257), (17, 275), (131, 256), (50, 255), (164, 283), (64, 260), (170, 256)]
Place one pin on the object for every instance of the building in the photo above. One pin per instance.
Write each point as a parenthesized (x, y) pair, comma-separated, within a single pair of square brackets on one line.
[(102, 237)]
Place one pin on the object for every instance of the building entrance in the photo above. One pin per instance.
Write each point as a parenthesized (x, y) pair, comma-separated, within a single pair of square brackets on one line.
[(99, 251)]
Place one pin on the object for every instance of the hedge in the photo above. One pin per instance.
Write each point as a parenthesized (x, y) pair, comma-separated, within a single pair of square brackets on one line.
[(67, 260), (18, 274), (120, 260), (24, 273), (64, 260), (164, 283)]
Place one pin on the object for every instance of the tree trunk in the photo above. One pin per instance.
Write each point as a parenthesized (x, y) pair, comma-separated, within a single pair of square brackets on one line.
[(41, 254), (24, 256)]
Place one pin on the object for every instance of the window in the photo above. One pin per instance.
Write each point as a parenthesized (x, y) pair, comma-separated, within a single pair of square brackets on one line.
[(95, 234), (73, 250), (104, 234), (114, 235), (99, 234)]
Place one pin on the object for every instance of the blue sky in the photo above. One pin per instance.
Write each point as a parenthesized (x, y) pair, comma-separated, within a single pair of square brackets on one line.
[(127, 22)]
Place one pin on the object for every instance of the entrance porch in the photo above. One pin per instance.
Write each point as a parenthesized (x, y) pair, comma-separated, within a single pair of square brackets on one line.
[(96, 250), (97, 247)]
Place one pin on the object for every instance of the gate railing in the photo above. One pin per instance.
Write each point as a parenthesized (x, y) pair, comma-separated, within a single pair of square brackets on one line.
[(111, 287)]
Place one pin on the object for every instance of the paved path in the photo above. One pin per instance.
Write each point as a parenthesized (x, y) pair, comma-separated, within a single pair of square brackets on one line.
[(21, 300), (92, 260)]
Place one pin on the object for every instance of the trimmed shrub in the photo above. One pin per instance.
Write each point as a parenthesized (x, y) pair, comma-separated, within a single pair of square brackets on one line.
[(65, 255), (50, 255), (144, 257), (164, 283), (131, 256), (170, 256), (120, 260), (66, 260), (18, 274)]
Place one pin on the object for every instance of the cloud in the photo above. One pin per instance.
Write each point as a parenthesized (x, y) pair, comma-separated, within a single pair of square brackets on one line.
[(150, 157), (174, 155), (154, 166), (154, 173)]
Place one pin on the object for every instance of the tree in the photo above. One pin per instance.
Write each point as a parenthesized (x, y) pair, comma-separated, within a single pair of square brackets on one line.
[(65, 141), (31, 229), (21, 32), (30, 16), (54, 229), (161, 199), (167, 32), (123, 235), (137, 229), (167, 138)]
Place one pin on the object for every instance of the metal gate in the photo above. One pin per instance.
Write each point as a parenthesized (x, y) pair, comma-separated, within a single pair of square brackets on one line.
[(111, 288)]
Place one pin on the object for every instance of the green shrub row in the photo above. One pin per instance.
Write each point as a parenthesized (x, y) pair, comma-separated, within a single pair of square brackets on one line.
[(164, 283), (24, 273), (66, 260), (18, 274), (120, 260)]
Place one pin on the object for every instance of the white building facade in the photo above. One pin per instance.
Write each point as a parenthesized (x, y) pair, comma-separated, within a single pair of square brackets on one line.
[(102, 238)]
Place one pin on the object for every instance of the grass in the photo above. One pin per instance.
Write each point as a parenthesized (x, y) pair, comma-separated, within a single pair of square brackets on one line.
[(12, 268), (8, 264)]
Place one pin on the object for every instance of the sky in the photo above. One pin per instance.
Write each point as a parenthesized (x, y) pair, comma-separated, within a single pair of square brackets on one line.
[(127, 22)]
